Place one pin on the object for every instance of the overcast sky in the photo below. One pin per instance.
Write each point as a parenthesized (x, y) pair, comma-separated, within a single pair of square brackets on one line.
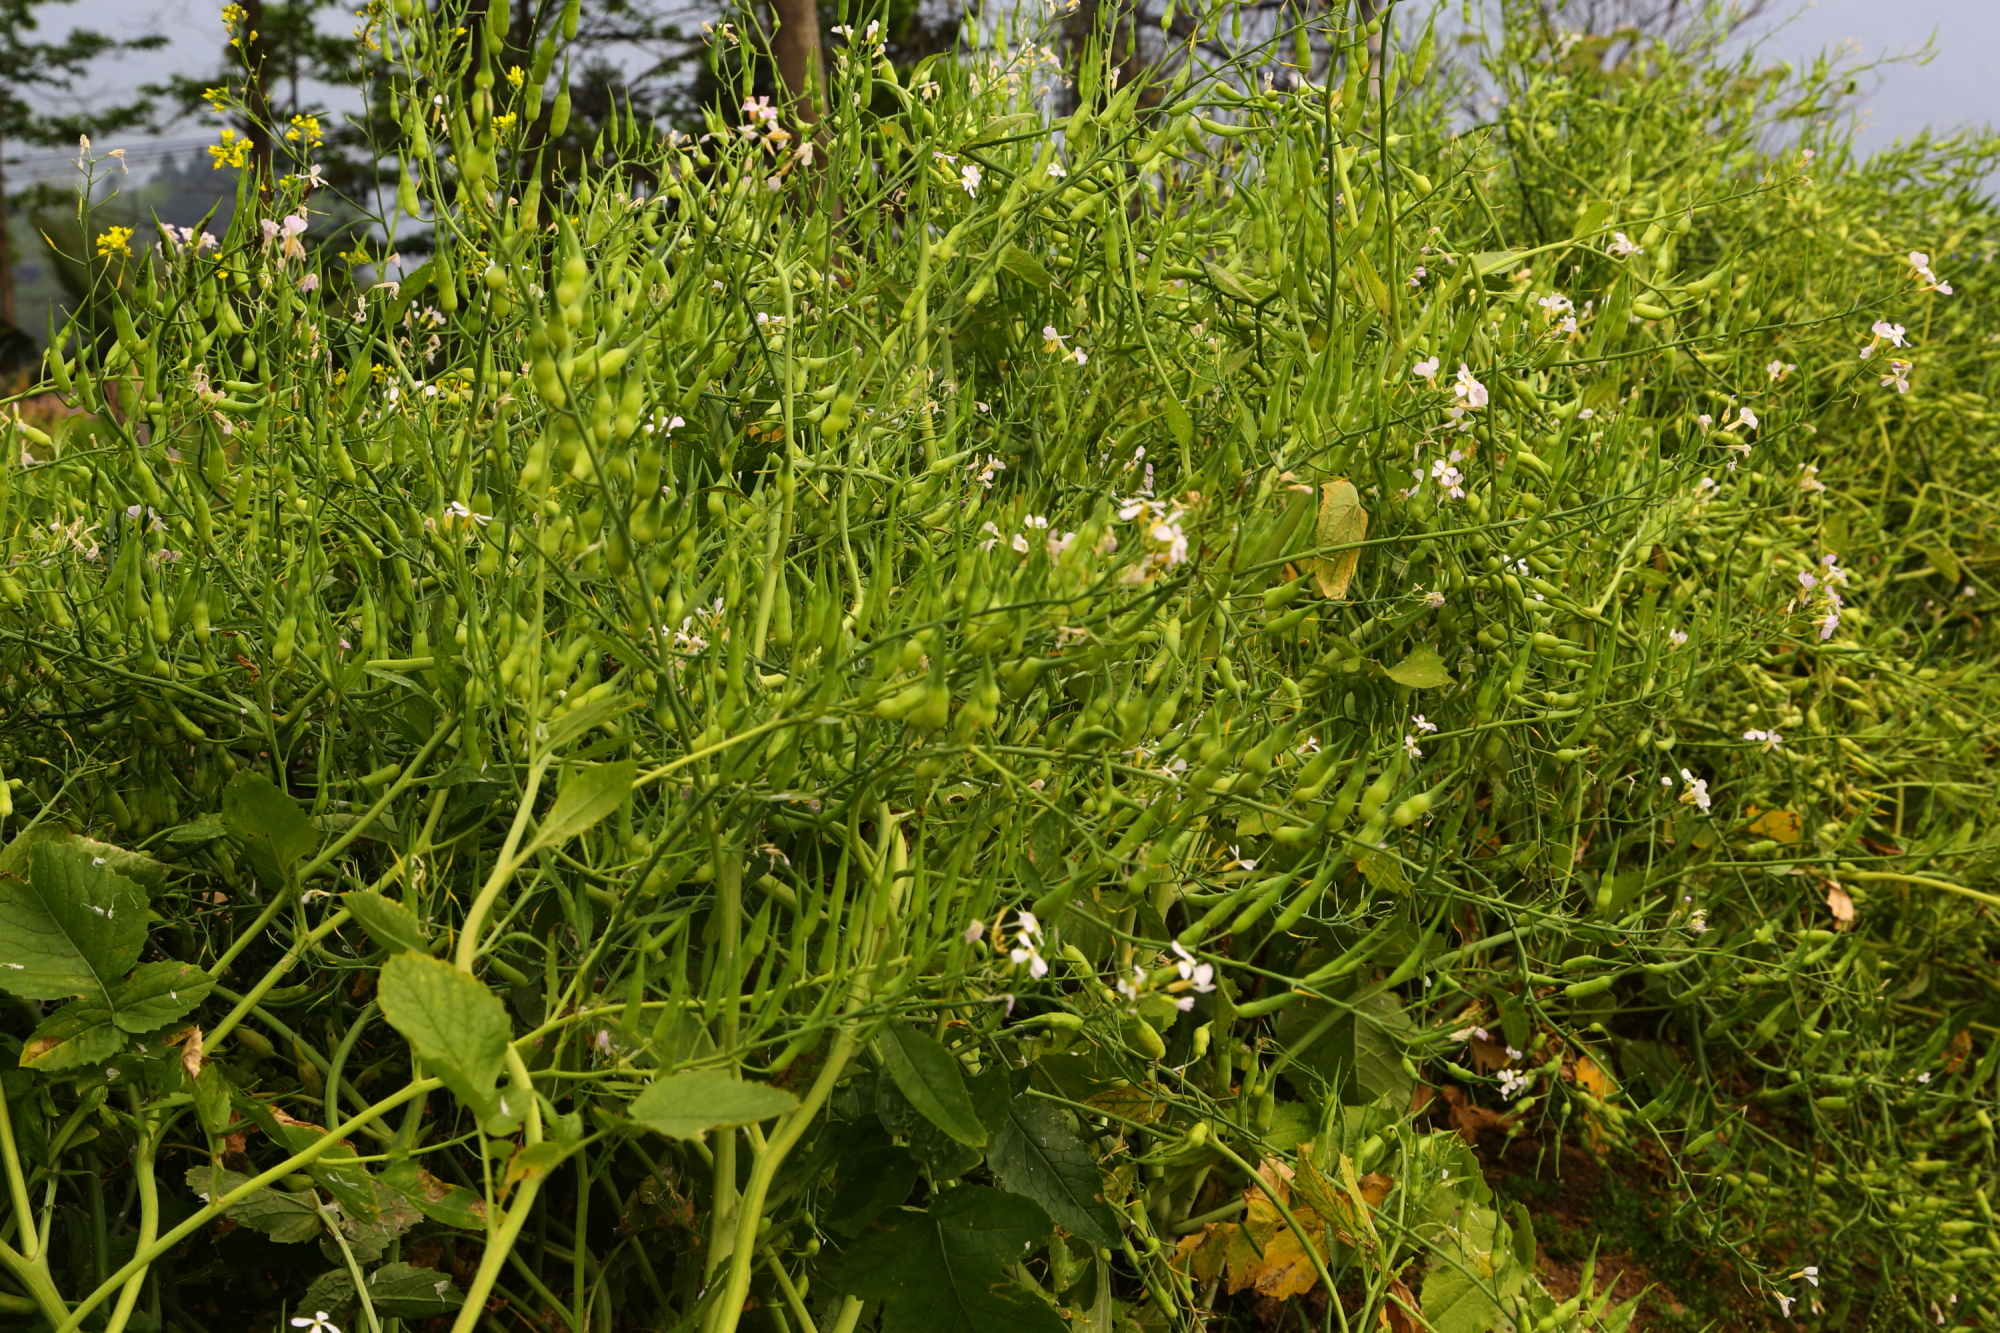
[(1958, 86)]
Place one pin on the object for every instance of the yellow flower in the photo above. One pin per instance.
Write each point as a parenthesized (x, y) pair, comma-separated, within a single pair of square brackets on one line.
[(233, 151), (504, 123), (515, 76), (306, 130), (114, 241), (232, 14)]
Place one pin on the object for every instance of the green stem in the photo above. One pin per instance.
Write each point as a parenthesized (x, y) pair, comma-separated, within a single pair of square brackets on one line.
[(1284, 1211), (143, 1157), (498, 1246), (503, 870), (17, 1187), (353, 1271)]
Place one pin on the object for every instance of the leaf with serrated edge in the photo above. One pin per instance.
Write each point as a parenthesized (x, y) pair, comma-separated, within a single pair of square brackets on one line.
[(80, 1033), (943, 1270), (926, 1074), (408, 1292), (69, 927), (686, 1106), (267, 821), (584, 800), (1421, 669), (1036, 1155), (451, 1019), (284, 1216), (389, 923), (158, 993)]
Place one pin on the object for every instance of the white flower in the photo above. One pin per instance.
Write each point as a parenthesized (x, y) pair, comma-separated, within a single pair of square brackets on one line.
[(1898, 376), (309, 283), (1811, 1274), (1810, 480), (1078, 355), (1051, 340), (1468, 388), (1410, 747), (1168, 533), (974, 932), (1828, 623), (1777, 370), (1426, 368), (1448, 477), (1433, 599), (1745, 417), (1704, 421), (1677, 637), (1698, 921), (1417, 277), (1057, 170), (1697, 791), (1555, 303), (1703, 487), (992, 465), (1422, 723), (1621, 245), (1236, 859), (457, 509), (1020, 543), (321, 1322), (969, 177), (1771, 740), (1921, 262), (1785, 1304), (1889, 333)]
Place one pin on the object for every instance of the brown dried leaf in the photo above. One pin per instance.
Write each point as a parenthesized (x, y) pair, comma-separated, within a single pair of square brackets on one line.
[(1342, 520), (1472, 1121), (1842, 906), (1203, 1254), (191, 1053), (1399, 1311)]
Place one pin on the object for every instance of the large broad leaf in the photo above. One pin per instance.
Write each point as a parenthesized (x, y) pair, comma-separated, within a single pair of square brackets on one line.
[(942, 1155), (71, 926), (927, 1075), (1382, 1031), (280, 1214), (142, 870), (389, 923), (1472, 1275), (584, 800), (157, 994), (80, 1033), (458, 1026), (274, 832), (943, 1270), (686, 1106), (1037, 1155)]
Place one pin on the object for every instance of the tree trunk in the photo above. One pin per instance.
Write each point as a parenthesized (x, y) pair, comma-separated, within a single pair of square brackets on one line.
[(257, 90), (799, 65)]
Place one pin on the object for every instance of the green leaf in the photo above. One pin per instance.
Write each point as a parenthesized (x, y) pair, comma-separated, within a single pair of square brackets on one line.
[(211, 1100), (158, 993), (389, 923), (585, 799), (1179, 423), (1228, 282), (685, 1106), (1494, 261), (452, 1020), (1593, 218), (1381, 1030), (206, 829), (144, 871), (579, 720), (71, 926), (1037, 1155), (927, 1075), (284, 1216), (453, 1205), (80, 1033), (274, 832), (408, 1292), (1024, 265), (942, 1270), (1423, 669)]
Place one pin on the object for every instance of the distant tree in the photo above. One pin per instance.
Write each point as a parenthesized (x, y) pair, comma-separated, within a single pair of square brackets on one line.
[(28, 66)]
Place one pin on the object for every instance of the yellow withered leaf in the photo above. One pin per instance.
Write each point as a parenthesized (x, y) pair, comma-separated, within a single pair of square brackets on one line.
[(1342, 521), (1779, 826)]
